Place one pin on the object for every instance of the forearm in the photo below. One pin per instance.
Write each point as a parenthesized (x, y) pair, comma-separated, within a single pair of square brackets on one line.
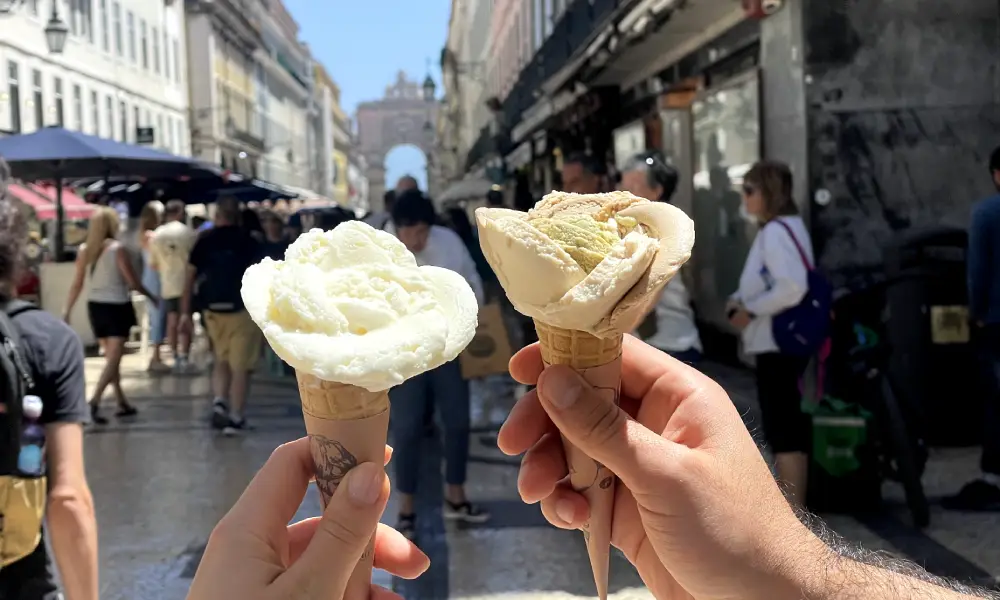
[(73, 532), (74, 295), (848, 573)]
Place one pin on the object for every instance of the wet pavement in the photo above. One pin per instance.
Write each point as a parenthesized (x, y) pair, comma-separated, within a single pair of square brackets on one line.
[(162, 481)]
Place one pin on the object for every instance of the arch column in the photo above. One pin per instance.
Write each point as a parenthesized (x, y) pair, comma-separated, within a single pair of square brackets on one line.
[(376, 184)]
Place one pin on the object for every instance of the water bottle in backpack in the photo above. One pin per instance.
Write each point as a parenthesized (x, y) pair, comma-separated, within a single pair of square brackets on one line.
[(31, 460)]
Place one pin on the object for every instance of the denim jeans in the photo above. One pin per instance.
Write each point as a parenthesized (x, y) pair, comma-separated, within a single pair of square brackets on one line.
[(989, 355), (449, 393)]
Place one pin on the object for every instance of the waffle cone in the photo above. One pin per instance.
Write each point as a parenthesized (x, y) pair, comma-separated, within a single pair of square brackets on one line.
[(576, 349), (347, 426), (337, 401), (598, 360)]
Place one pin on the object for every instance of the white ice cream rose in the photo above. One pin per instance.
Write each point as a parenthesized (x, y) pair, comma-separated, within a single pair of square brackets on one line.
[(351, 306)]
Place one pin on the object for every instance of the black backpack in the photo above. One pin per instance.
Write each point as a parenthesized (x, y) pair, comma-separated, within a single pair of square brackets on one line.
[(22, 497)]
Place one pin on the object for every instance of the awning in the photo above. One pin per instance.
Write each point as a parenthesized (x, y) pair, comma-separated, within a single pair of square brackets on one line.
[(41, 199), (473, 187)]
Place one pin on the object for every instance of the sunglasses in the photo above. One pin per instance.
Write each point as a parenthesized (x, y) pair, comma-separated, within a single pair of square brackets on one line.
[(749, 190)]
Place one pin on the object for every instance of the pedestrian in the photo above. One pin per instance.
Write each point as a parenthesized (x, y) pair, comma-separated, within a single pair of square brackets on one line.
[(250, 221), (171, 246), (275, 242), (415, 221), (582, 174), (150, 218), (670, 326), (218, 260), (53, 355), (109, 304), (983, 262), (774, 279)]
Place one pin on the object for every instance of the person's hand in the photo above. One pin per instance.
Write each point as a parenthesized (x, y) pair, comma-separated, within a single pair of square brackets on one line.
[(740, 319), (253, 554), (696, 510)]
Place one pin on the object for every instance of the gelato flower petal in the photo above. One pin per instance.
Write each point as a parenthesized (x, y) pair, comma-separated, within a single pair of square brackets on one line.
[(593, 263), (352, 306)]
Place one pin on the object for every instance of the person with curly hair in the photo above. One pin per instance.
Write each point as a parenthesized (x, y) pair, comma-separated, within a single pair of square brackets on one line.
[(54, 356)]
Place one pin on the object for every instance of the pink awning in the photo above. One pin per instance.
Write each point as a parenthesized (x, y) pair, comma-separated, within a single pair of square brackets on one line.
[(41, 199)]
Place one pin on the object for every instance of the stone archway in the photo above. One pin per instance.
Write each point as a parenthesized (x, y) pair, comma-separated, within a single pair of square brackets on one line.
[(400, 117)]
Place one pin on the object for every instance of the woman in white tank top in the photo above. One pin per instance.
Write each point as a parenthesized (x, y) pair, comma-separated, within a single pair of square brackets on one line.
[(109, 304)]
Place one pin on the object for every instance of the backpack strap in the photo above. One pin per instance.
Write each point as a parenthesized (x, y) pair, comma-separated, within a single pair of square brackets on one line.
[(11, 339), (795, 240)]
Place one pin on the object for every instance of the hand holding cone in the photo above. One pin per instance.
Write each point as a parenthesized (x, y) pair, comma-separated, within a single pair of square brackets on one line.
[(587, 269), (354, 314)]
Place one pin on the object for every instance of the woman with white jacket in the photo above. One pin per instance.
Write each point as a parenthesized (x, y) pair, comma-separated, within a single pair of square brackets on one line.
[(774, 279)]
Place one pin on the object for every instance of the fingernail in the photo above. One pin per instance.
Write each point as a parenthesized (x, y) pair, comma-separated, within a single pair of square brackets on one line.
[(365, 485), (562, 387), (565, 510)]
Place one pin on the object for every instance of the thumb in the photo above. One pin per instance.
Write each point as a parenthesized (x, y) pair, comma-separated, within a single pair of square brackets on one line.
[(343, 535), (602, 430)]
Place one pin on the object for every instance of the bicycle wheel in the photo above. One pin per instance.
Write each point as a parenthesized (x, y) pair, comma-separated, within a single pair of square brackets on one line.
[(904, 452)]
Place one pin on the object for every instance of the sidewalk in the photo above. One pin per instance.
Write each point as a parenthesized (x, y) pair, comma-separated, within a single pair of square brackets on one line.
[(163, 481)]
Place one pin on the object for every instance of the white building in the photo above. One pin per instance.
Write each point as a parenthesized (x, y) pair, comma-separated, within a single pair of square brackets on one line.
[(284, 81), (124, 67)]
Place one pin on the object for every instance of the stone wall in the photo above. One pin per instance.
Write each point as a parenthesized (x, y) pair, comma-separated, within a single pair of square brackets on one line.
[(902, 100)]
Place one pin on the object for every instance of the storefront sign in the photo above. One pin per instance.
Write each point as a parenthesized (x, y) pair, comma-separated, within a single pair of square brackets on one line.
[(145, 136)]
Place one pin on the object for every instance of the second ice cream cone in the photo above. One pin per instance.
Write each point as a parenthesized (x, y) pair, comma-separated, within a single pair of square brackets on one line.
[(347, 425), (598, 360)]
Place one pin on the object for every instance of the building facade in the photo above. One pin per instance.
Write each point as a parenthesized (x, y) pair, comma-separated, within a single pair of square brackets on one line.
[(337, 141), (321, 139), (284, 77), (223, 37), (124, 68)]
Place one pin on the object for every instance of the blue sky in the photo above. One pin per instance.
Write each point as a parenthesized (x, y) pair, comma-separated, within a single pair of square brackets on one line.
[(364, 43)]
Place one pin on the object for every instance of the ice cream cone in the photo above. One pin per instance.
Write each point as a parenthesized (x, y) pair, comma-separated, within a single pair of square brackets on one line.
[(598, 360), (347, 425)]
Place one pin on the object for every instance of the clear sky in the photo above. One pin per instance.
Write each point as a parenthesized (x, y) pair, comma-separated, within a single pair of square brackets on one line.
[(364, 43)]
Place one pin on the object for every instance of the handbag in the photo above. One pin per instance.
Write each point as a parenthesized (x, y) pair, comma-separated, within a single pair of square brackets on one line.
[(802, 329)]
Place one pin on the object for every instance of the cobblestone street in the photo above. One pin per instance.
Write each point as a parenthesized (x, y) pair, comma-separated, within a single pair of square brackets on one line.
[(162, 482)]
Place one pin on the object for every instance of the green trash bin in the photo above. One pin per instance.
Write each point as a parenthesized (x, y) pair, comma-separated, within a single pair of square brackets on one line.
[(843, 471)]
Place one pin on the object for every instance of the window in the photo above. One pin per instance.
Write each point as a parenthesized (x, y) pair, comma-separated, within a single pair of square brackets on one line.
[(95, 114), (539, 22), (177, 64), (116, 17), (60, 108), (109, 118), (78, 107), (144, 41), (33, 5), (79, 18), (130, 33), (166, 56), (134, 133), (122, 121), (158, 134), (169, 135), (14, 97), (87, 19), (36, 80), (155, 38), (105, 27)]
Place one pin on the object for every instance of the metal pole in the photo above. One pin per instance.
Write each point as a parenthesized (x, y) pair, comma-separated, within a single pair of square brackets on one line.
[(60, 242)]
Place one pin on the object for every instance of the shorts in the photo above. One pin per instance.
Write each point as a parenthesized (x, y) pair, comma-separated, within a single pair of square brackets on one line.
[(171, 305), (111, 320), (235, 338), (786, 427)]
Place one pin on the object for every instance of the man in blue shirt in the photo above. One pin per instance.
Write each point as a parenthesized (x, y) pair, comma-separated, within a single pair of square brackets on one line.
[(984, 310)]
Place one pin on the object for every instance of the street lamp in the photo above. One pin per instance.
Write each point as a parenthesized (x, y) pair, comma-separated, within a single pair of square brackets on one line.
[(56, 31), (429, 89)]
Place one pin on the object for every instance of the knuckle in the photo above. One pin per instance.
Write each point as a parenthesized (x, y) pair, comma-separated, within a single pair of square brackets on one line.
[(604, 423)]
